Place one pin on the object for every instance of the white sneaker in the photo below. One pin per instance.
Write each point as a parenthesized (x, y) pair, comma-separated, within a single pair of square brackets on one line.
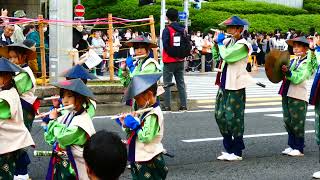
[(129, 166), (295, 152), (21, 177), (316, 175), (287, 151), (223, 156), (233, 157)]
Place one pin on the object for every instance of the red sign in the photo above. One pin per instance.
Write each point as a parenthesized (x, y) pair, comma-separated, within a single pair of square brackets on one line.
[(79, 10)]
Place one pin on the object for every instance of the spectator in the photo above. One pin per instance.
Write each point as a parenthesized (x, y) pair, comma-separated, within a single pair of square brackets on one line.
[(105, 156), (18, 36), (83, 44), (6, 35), (173, 66), (98, 45), (34, 35), (206, 50), (278, 42)]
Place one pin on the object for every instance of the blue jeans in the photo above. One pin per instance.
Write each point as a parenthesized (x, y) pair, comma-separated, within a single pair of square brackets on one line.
[(177, 70)]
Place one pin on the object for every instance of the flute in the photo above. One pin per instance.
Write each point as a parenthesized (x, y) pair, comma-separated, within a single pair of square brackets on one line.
[(51, 98), (135, 57), (219, 31), (62, 154), (137, 112), (59, 110)]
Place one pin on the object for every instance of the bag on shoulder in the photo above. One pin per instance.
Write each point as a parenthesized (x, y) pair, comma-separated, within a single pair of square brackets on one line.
[(181, 44)]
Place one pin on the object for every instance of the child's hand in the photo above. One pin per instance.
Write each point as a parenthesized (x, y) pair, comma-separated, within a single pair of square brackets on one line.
[(53, 114), (284, 68)]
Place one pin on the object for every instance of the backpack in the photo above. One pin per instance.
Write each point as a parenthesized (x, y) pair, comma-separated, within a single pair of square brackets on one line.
[(180, 44)]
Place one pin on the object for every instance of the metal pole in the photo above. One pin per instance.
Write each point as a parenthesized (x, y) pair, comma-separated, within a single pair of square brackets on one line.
[(79, 1), (186, 10), (162, 21)]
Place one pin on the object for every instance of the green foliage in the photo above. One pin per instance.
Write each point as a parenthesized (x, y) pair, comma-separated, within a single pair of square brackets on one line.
[(261, 16), (240, 7), (312, 7)]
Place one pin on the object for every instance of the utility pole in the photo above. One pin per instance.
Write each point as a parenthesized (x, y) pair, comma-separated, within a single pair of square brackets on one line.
[(162, 22), (186, 10), (60, 38)]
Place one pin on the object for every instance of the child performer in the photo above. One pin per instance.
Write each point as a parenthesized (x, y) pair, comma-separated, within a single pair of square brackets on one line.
[(315, 94), (294, 95), (75, 72), (69, 132), (25, 83), (145, 64), (232, 81), (145, 131), (14, 134)]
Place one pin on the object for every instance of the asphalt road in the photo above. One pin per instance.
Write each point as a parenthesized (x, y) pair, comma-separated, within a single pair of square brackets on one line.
[(194, 138), (197, 160)]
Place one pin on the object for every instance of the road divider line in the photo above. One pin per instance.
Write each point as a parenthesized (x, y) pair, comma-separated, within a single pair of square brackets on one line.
[(271, 98), (280, 115), (245, 136)]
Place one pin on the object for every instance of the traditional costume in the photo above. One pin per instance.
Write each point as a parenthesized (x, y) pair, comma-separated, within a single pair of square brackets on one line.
[(145, 133), (25, 83), (143, 65), (14, 136), (79, 71), (231, 96), (67, 135), (294, 99), (315, 98)]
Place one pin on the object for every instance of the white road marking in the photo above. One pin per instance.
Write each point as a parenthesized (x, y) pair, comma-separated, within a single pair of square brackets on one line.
[(245, 136), (280, 115)]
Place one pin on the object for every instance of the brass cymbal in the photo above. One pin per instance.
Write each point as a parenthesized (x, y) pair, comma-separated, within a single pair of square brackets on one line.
[(273, 63)]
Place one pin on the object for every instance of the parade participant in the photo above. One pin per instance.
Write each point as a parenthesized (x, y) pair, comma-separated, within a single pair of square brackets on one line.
[(294, 95), (25, 83), (76, 72), (105, 156), (145, 63), (315, 94), (69, 132), (80, 72), (145, 131), (232, 81), (14, 134)]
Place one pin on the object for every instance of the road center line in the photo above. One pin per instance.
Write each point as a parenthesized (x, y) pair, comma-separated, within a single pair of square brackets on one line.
[(245, 136)]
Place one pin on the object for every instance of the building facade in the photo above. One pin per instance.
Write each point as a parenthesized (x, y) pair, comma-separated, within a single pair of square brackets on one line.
[(32, 7)]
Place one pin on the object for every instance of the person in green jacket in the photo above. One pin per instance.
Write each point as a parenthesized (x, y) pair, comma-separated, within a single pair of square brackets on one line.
[(295, 96), (315, 94), (68, 133), (25, 84), (145, 62), (145, 130), (232, 80), (14, 137)]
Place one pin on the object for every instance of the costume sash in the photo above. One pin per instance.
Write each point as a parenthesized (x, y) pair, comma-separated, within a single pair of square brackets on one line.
[(315, 89), (132, 139), (53, 159)]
